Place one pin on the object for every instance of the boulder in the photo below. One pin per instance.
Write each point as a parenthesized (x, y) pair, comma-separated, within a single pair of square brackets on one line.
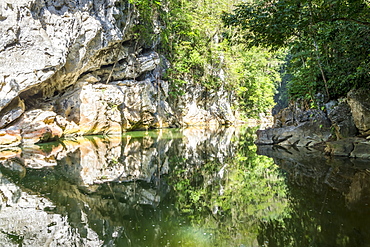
[(38, 126), (12, 112), (342, 147), (93, 108), (342, 120), (361, 150), (301, 128), (290, 116), (359, 101)]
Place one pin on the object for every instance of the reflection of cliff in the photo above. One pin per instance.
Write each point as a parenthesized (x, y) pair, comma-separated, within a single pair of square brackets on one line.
[(100, 189), (310, 167), (26, 221), (329, 200)]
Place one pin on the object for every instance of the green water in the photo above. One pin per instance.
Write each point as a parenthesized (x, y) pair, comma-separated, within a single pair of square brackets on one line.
[(194, 187)]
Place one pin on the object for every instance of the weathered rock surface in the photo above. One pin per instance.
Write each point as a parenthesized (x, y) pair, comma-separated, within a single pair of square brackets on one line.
[(336, 129), (353, 147), (202, 107), (81, 61), (342, 120), (359, 101), (295, 126)]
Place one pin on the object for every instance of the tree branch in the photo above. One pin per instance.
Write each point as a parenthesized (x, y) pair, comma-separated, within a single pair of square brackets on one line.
[(365, 23)]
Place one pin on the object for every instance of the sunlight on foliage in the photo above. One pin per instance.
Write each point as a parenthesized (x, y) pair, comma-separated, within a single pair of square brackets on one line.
[(201, 50)]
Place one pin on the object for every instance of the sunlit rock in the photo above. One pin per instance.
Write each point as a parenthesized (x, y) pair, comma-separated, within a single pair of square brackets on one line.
[(10, 136), (38, 126), (203, 107), (56, 41), (82, 61), (16, 109), (93, 108)]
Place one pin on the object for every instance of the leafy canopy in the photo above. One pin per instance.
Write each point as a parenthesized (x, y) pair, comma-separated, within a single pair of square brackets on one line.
[(202, 51), (328, 40)]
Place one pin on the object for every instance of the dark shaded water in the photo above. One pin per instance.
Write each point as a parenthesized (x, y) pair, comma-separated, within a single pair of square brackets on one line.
[(193, 187)]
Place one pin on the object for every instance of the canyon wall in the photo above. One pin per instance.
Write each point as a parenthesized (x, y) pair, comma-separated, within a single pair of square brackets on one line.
[(77, 68)]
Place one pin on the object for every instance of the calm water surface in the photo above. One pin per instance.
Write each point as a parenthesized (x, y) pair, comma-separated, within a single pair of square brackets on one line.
[(191, 187)]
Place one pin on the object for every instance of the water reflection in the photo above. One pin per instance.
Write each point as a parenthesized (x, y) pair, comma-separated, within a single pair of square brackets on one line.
[(329, 200), (192, 187)]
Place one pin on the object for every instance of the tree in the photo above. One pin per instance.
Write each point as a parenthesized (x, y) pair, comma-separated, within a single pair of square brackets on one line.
[(328, 41)]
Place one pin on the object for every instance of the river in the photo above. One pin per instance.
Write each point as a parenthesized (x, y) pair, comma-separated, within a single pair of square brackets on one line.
[(188, 187)]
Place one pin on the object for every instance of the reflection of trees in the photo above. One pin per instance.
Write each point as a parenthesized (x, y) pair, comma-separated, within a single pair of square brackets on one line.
[(317, 219), (228, 200), (115, 188), (328, 200)]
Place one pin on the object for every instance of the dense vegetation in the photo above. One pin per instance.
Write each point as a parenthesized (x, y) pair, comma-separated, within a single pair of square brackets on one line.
[(328, 41), (325, 45), (201, 50)]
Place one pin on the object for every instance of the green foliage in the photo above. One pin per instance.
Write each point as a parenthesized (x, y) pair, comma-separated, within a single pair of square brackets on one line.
[(144, 30), (329, 41), (256, 86), (201, 50)]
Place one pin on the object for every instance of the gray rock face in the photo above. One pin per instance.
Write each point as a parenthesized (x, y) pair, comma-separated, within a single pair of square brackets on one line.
[(359, 101), (15, 111), (56, 41), (294, 126), (80, 60), (342, 120)]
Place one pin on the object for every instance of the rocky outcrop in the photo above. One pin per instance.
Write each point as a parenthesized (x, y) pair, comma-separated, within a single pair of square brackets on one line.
[(339, 129), (295, 126), (80, 63), (341, 118), (359, 101)]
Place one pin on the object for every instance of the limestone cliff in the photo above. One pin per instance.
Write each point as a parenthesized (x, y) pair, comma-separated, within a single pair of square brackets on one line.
[(76, 67)]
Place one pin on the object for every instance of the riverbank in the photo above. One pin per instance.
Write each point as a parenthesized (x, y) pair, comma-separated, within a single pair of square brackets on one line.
[(339, 128)]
